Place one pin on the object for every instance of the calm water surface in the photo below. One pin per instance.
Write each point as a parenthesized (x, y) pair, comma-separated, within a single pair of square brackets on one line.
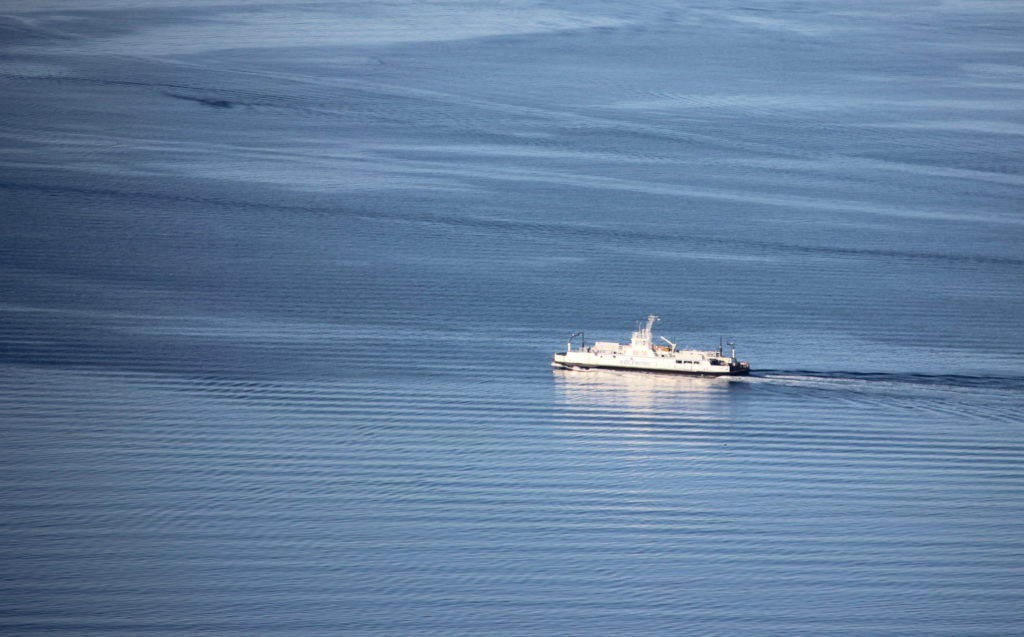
[(281, 282)]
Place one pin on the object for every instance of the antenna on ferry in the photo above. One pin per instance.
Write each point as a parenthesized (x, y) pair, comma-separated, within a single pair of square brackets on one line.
[(732, 346), (583, 342)]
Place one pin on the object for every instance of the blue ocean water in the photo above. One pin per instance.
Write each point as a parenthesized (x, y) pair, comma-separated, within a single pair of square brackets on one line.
[(281, 283)]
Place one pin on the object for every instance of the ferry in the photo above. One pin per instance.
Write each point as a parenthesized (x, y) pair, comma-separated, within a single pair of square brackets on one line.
[(643, 355)]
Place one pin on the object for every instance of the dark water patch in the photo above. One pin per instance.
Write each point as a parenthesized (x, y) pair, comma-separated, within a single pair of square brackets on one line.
[(679, 241), (205, 101)]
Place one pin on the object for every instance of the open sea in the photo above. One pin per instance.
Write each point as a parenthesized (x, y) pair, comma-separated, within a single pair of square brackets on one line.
[(280, 282)]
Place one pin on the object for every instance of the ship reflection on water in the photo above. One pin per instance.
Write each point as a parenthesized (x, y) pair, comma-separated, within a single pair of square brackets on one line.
[(643, 408)]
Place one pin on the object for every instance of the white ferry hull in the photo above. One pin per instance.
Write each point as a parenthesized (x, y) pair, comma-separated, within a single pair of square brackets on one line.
[(665, 366)]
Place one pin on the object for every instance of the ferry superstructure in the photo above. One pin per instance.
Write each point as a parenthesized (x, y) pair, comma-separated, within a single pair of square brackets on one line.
[(643, 355)]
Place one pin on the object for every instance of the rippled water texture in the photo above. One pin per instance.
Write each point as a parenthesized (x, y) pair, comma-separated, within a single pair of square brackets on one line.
[(281, 283)]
